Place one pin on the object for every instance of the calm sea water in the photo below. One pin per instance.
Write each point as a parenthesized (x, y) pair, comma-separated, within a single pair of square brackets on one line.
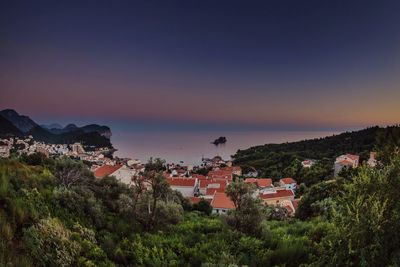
[(190, 147)]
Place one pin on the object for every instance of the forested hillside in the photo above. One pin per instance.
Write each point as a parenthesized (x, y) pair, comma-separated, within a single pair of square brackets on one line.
[(271, 160)]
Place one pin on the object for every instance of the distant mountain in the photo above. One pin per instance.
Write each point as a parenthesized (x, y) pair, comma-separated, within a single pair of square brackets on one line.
[(88, 139), (8, 129), (13, 124), (51, 126), (102, 130), (23, 123)]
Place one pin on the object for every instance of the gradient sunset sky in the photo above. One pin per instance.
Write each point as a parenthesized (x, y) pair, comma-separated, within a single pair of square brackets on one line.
[(203, 64)]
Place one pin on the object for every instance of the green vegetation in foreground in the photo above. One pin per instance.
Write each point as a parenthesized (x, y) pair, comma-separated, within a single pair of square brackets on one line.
[(54, 213)]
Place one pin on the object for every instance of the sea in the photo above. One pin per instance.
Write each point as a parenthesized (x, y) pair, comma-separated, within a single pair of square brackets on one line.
[(189, 147)]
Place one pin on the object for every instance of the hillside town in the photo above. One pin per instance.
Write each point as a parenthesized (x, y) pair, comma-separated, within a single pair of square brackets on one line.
[(185, 179)]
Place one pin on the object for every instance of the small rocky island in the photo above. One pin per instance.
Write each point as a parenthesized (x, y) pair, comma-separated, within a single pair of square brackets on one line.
[(219, 141)]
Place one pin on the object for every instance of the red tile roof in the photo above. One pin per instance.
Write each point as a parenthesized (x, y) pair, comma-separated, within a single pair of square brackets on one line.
[(212, 183), (353, 157), (287, 181), (264, 182), (278, 194), (179, 181), (199, 176), (195, 200), (222, 201), (232, 169), (105, 170), (204, 183), (211, 190), (346, 162), (220, 174)]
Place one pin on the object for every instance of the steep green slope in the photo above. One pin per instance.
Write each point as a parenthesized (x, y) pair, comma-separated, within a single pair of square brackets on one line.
[(272, 159)]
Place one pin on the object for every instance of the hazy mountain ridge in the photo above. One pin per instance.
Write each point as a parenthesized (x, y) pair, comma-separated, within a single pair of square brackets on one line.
[(23, 123), (14, 124), (101, 129), (8, 129)]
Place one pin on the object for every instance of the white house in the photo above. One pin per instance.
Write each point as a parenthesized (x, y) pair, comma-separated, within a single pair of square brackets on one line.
[(288, 183), (221, 203), (347, 160), (187, 186)]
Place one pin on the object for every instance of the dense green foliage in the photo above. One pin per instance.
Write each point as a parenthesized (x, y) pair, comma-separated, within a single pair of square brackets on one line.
[(55, 213)]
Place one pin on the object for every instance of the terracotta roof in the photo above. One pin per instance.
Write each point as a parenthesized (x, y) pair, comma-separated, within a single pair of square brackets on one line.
[(212, 183), (345, 162), (287, 181), (179, 181), (204, 183), (220, 174), (211, 191), (199, 176), (232, 168), (277, 194), (264, 182), (105, 170), (222, 201), (195, 200), (352, 157)]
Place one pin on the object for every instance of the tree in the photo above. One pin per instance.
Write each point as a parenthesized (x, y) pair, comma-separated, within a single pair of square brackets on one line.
[(236, 191), (156, 165), (149, 189), (69, 172), (247, 213), (367, 221), (388, 144), (203, 206), (50, 244)]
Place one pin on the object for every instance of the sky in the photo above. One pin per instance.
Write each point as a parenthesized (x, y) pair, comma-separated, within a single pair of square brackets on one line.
[(275, 64)]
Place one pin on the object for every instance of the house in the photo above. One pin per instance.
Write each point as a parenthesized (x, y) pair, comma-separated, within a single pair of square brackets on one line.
[(221, 203), (4, 151), (280, 197), (288, 183), (122, 173), (77, 148), (260, 183), (308, 163), (372, 159), (348, 160), (220, 175), (264, 183), (199, 176), (105, 170), (235, 170), (125, 174), (188, 187), (209, 187)]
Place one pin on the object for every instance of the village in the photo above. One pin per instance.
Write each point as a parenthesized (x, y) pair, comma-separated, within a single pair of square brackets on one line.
[(185, 179)]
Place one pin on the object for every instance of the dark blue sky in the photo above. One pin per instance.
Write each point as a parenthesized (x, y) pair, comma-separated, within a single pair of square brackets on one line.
[(314, 64)]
